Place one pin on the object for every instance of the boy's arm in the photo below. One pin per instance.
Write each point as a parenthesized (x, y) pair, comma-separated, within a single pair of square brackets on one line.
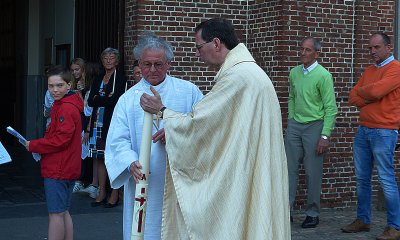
[(60, 140)]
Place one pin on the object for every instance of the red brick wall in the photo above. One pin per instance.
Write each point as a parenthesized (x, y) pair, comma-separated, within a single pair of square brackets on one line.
[(176, 21), (272, 31)]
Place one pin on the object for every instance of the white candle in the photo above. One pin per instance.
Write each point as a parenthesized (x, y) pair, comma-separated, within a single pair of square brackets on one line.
[(139, 212)]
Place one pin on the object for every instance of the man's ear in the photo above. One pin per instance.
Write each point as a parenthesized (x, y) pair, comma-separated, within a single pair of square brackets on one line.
[(217, 44), (317, 53), (390, 46), (168, 64)]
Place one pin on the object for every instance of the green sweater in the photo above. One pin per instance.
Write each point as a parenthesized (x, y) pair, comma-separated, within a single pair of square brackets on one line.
[(312, 97)]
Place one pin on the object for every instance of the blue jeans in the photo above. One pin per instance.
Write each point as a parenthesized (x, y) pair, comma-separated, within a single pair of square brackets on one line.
[(376, 146)]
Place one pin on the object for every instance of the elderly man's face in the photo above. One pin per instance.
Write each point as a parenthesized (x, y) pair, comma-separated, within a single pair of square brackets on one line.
[(154, 66), (308, 54)]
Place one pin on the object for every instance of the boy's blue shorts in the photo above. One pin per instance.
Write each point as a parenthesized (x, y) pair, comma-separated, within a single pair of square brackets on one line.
[(58, 194)]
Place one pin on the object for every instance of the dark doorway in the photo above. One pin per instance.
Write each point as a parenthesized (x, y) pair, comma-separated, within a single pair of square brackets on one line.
[(98, 24), (63, 54), (8, 96)]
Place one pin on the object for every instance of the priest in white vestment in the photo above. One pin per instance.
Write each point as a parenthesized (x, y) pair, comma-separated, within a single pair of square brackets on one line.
[(226, 169), (124, 136)]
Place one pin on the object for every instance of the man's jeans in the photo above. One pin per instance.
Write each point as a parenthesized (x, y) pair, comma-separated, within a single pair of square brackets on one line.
[(376, 146)]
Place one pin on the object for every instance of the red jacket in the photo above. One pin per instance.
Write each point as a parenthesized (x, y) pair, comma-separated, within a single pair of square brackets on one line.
[(61, 145)]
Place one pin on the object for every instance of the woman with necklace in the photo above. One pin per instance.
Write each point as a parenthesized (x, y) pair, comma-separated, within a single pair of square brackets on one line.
[(103, 97)]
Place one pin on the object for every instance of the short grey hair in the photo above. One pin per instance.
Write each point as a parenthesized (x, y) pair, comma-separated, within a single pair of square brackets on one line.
[(110, 50), (316, 43), (150, 41)]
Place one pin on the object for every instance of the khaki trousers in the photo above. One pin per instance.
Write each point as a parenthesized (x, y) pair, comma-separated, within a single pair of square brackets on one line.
[(300, 144)]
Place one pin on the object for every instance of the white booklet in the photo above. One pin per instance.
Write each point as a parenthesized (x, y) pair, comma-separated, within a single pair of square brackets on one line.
[(23, 141), (4, 156)]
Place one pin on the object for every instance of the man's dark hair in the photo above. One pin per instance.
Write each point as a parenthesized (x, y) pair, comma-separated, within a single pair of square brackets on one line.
[(218, 28), (385, 37)]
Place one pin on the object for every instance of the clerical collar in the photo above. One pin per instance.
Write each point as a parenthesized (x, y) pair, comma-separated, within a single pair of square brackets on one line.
[(160, 84), (384, 62), (310, 68)]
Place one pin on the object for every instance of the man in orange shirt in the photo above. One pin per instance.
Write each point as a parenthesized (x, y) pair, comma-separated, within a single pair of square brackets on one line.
[(377, 95)]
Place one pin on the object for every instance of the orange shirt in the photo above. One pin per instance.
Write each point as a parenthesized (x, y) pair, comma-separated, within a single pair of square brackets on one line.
[(377, 95)]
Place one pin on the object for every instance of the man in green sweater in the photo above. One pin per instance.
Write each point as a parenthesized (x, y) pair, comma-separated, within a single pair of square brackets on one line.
[(312, 113)]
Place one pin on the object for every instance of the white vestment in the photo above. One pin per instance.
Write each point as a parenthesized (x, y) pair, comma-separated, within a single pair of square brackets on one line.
[(123, 146)]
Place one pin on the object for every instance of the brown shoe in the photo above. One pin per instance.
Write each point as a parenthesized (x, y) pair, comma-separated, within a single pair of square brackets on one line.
[(389, 234), (356, 226)]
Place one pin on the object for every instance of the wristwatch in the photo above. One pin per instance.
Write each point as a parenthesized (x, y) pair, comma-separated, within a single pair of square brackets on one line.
[(324, 137), (161, 112)]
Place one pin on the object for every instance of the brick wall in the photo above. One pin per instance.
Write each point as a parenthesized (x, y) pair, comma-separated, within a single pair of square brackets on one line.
[(176, 21), (272, 30)]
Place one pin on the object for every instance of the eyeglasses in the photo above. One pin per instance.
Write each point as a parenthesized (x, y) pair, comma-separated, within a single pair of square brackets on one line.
[(109, 57), (201, 45), (148, 65)]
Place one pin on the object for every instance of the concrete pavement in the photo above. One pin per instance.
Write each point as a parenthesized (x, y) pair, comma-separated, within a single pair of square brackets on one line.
[(29, 221), (23, 214), (330, 223), (21, 220)]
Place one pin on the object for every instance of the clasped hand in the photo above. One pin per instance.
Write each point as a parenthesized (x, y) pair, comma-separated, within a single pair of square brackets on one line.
[(159, 136), (151, 104)]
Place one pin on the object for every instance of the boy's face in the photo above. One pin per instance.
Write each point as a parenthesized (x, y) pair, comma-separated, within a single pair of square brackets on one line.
[(58, 87)]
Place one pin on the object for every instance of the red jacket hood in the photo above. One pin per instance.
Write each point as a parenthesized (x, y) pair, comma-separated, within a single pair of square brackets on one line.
[(72, 98)]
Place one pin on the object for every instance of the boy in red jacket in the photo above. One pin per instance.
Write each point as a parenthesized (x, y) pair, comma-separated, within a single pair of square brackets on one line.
[(61, 152)]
